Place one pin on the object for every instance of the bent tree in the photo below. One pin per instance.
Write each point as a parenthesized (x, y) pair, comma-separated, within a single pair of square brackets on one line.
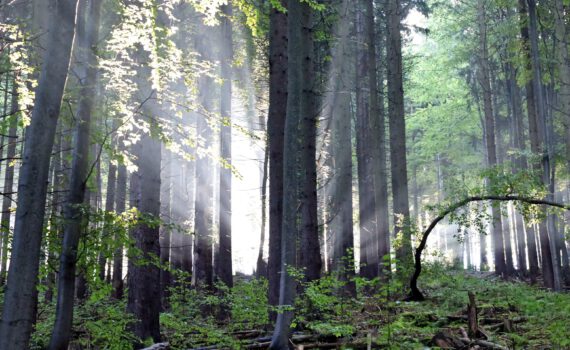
[(415, 293)]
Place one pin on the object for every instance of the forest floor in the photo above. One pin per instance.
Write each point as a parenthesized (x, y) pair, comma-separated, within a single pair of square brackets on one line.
[(511, 315)]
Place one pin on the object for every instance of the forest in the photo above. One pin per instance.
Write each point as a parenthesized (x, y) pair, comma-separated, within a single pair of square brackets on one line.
[(284, 174)]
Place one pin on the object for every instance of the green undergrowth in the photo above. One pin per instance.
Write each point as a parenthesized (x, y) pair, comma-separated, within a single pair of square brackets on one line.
[(378, 318), (411, 325)]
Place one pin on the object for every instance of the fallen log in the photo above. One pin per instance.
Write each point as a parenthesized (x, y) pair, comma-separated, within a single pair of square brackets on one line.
[(158, 346), (485, 320), (446, 340), (484, 343)]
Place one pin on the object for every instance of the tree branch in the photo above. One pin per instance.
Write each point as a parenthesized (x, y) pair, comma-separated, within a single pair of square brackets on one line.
[(415, 293)]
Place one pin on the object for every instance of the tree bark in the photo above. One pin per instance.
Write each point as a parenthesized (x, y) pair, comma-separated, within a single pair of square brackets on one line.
[(378, 125), (73, 211), (398, 132), (224, 267), (203, 220), (8, 186), (165, 230), (20, 299), (261, 267), (310, 252), (490, 140), (366, 191), (275, 126), (120, 204), (109, 208), (287, 285), (144, 275), (341, 139), (550, 269)]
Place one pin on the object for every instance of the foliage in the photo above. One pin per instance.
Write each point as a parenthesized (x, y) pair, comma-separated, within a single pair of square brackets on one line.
[(249, 304), (322, 307), (98, 324), (185, 326)]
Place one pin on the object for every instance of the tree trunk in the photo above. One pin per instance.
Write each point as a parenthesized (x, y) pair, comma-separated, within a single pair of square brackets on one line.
[(120, 203), (73, 218), (537, 130), (366, 190), (398, 132), (224, 267), (203, 220), (489, 129), (109, 208), (8, 186), (143, 279), (20, 299), (341, 139), (261, 267), (378, 141), (296, 49), (275, 128), (165, 215), (310, 252)]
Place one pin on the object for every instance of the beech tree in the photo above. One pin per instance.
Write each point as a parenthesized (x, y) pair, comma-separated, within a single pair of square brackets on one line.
[(21, 294)]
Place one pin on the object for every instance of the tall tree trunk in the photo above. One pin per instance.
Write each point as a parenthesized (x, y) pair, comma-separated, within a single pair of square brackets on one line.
[(275, 133), (203, 220), (563, 62), (191, 190), (341, 139), (378, 124), (296, 49), (310, 251), (73, 218), (120, 204), (261, 267), (177, 209), (54, 235), (165, 230), (537, 128), (20, 299), (489, 129), (224, 267), (366, 191), (8, 185), (143, 279), (518, 160), (109, 207), (398, 131)]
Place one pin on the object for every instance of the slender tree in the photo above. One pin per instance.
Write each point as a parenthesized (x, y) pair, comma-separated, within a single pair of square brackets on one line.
[(224, 268), (310, 250), (120, 204), (203, 219), (8, 186), (378, 141), (165, 230), (341, 142), (20, 299), (366, 187), (398, 159), (489, 130), (535, 117), (275, 136), (79, 176)]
